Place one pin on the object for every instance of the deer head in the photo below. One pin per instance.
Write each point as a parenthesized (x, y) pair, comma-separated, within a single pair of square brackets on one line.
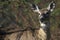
[(43, 13), (50, 8)]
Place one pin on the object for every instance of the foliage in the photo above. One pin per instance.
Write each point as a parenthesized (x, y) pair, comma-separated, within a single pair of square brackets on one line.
[(19, 13)]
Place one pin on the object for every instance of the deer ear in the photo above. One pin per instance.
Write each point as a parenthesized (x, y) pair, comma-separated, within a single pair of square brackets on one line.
[(51, 6), (35, 8)]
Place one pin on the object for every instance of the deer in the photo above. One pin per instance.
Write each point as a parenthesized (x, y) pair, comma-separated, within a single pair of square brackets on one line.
[(44, 20)]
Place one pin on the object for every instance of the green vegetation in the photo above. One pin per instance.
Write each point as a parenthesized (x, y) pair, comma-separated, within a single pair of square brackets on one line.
[(19, 12)]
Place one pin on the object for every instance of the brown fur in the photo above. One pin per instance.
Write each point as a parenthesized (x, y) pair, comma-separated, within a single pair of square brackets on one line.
[(27, 35), (43, 10)]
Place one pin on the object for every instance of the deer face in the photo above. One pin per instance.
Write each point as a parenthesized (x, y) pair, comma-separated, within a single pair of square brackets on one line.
[(50, 8), (43, 13)]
